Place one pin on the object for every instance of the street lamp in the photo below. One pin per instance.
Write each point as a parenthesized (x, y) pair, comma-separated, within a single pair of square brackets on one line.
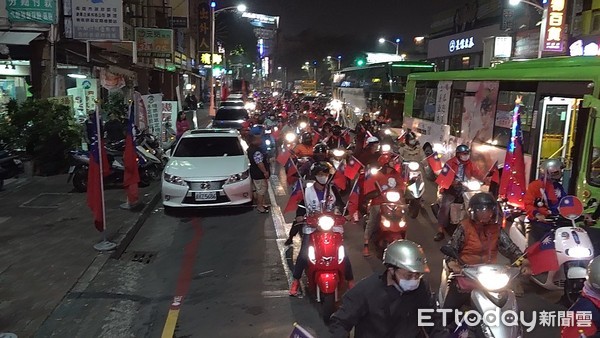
[(397, 43), (213, 13), (339, 58), (531, 3), (540, 9)]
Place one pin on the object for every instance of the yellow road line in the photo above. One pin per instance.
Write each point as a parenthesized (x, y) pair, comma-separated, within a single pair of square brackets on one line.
[(170, 323)]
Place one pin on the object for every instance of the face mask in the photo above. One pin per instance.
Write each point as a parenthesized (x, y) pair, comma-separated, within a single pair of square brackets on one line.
[(412, 142), (322, 179), (464, 158), (409, 284)]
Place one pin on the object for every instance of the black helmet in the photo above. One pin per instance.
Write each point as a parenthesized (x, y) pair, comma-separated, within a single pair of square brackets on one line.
[(320, 148), (462, 149), (337, 130), (306, 138), (480, 202), (326, 125), (410, 136), (321, 167), (365, 115)]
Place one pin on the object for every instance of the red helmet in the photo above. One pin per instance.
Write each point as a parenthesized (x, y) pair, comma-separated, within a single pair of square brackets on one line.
[(384, 159)]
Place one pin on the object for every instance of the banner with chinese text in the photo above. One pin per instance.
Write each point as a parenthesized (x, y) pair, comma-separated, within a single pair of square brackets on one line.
[(40, 11), (154, 109), (98, 20), (154, 42)]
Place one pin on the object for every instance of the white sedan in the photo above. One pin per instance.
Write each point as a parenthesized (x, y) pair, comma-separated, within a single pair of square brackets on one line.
[(208, 168)]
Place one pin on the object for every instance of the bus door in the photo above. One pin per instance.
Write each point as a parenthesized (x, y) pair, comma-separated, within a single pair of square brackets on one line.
[(557, 136)]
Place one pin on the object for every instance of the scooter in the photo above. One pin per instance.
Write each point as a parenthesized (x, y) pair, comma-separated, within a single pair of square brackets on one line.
[(490, 292), (573, 249), (326, 256), (414, 187), (458, 208), (10, 166), (392, 222)]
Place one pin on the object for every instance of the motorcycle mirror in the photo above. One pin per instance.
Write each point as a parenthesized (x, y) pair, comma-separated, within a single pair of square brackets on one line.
[(570, 207), (449, 251), (427, 149)]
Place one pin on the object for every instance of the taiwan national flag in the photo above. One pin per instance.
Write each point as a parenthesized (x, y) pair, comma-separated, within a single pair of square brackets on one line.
[(570, 207), (284, 156), (130, 159), (300, 332), (512, 182), (352, 168), (446, 177), (542, 255), (339, 179), (435, 162), (346, 137), (354, 199), (292, 173), (95, 195), (295, 197)]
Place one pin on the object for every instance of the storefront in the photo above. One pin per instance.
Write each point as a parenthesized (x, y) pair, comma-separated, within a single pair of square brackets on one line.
[(463, 50), (14, 75)]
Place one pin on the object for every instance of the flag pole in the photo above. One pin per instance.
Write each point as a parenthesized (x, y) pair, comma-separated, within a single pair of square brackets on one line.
[(104, 244), (348, 201)]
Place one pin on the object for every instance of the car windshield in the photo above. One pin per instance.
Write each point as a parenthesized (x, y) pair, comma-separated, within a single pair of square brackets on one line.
[(208, 147), (231, 114)]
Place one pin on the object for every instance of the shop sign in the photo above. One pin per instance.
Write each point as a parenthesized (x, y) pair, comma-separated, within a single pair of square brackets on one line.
[(169, 114), (97, 20), (40, 11), (78, 101), (205, 59), (579, 48), (468, 42), (555, 25), (179, 18), (154, 108), (204, 27), (502, 46), (90, 92), (64, 100), (177, 58), (460, 44), (154, 42)]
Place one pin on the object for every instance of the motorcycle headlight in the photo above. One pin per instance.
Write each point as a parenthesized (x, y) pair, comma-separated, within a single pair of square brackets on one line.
[(578, 252), (268, 142), (492, 278), (338, 152), (326, 223), (374, 171), (238, 177), (386, 147), (387, 132), (311, 254), (341, 254), (473, 185), (402, 223), (392, 196), (174, 179), (290, 137), (303, 125), (386, 223), (414, 166)]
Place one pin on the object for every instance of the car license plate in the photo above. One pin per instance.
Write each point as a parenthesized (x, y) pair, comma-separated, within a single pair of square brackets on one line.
[(71, 169), (206, 196)]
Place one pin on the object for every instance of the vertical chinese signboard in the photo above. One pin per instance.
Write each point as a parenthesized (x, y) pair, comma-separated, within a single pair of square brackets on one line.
[(97, 20), (555, 24), (204, 28), (40, 11), (154, 42), (154, 108)]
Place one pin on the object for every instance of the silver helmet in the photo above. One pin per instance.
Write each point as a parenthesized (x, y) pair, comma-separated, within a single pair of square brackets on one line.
[(407, 255), (552, 168)]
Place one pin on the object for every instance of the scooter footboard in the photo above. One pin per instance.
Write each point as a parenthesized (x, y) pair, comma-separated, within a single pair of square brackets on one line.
[(482, 304), (327, 281)]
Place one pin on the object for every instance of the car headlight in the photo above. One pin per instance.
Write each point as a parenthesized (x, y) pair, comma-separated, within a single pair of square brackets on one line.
[(338, 152), (326, 223), (311, 254), (386, 147), (492, 279), (174, 179), (414, 166), (578, 252), (392, 196), (290, 137), (386, 223), (473, 185), (341, 254), (238, 177)]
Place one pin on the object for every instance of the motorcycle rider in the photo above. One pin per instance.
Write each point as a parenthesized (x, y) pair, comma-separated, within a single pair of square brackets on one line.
[(411, 151), (478, 239), (386, 178), (336, 140), (371, 153), (464, 170), (320, 154), (304, 148), (589, 301), (542, 198), (387, 304), (318, 197), (363, 130)]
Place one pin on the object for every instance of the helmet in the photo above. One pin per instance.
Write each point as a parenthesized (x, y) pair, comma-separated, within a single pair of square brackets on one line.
[(462, 149), (407, 255), (320, 148), (480, 202), (372, 139), (306, 138), (256, 130), (552, 168), (384, 159), (337, 130), (593, 273), (366, 115), (410, 136), (326, 125), (321, 167)]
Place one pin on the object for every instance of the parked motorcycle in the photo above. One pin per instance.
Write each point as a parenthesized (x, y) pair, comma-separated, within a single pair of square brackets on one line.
[(573, 249), (490, 292), (149, 147), (10, 166), (414, 187), (325, 258)]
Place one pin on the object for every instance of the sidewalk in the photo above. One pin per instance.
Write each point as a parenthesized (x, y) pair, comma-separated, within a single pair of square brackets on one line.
[(47, 237)]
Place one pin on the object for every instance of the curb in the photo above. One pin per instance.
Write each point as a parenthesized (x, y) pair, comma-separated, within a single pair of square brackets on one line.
[(130, 235)]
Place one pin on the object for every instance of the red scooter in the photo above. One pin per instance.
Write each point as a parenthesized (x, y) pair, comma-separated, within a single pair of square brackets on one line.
[(392, 220), (325, 258)]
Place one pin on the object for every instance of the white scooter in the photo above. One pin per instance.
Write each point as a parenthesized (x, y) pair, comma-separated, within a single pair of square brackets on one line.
[(458, 208), (489, 285), (573, 249)]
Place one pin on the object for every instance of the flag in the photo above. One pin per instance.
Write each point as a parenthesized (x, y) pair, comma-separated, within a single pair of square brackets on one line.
[(570, 207), (352, 167), (542, 255), (131, 176), (353, 199), (435, 163), (224, 92), (95, 194), (300, 332), (370, 182), (284, 156), (446, 177), (315, 139), (512, 182), (292, 173), (295, 197), (346, 137), (338, 178)]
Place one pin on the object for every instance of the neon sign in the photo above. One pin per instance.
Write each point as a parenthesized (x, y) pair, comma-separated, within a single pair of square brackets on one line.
[(460, 44), (555, 24)]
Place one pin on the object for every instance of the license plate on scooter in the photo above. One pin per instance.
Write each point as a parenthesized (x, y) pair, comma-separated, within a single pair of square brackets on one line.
[(206, 196), (71, 169)]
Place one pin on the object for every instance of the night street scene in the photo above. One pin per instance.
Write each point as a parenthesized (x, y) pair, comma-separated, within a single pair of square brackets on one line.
[(302, 169)]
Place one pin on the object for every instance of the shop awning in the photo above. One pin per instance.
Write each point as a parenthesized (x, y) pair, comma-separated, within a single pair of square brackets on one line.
[(17, 38)]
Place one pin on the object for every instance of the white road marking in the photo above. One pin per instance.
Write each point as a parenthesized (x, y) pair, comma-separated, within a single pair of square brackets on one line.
[(281, 231), (276, 294)]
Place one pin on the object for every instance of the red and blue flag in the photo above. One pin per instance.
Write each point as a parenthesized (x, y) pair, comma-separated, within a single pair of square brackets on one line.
[(352, 168), (512, 182), (295, 197), (446, 177), (570, 207), (338, 178), (284, 156), (300, 332), (95, 194), (353, 199), (435, 163), (542, 255), (131, 176)]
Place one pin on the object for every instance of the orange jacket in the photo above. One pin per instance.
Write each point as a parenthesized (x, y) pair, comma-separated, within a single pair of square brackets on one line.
[(302, 150), (481, 243), (553, 193), (471, 170)]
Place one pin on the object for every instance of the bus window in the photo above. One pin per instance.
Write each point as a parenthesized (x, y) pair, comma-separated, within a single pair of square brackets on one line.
[(504, 115), (424, 103), (594, 163), (456, 112)]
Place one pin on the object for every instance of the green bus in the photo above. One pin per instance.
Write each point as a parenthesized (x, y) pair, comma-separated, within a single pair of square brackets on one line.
[(559, 115)]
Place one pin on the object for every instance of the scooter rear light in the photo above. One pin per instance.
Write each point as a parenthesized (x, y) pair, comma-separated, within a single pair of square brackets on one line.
[(341, 254), (312, 255)]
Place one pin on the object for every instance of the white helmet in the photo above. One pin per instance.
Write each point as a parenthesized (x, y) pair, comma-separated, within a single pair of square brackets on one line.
[(372, 139)]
